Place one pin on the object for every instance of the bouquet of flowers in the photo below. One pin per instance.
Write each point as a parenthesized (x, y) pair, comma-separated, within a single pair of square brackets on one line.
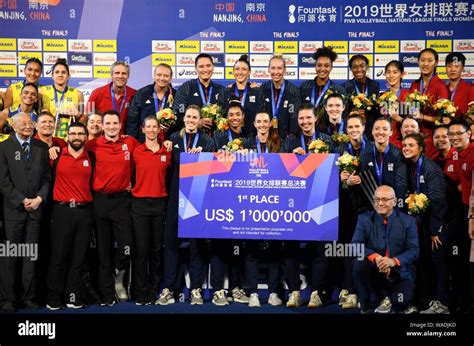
[(415, 100), (234, 145), (417, 203), (469, 115), (340, 138), (444, 108), (222, 124), (387, 102), (348, 163), (362, 102), (211, 111), (166, 117), (318, 146)]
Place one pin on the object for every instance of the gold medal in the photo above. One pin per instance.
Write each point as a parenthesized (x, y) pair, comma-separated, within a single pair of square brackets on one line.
[(275, 123)]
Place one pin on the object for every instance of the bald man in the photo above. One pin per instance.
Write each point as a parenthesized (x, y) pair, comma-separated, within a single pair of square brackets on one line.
[(390, 244)]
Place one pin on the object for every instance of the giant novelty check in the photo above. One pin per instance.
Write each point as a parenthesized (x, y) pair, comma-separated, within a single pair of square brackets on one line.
[(258, 196)]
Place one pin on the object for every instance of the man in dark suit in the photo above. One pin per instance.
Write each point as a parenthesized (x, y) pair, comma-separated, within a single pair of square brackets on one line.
[(390, 245), (25, 180)]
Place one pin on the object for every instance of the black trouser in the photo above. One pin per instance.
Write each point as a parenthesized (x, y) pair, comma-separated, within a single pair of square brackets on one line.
[(319, 265), (70, 236), (432, 277), (24, 231), (235, 260), (366, 276), (148, 216), (112, 217), (273, 253), (171, 253), (291, 264), (44, 244)]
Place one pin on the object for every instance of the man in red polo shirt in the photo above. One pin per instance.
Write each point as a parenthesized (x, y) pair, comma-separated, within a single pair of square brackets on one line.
[(111, 185), (71, 220), (115, 95), (45, 125), (459, 136)]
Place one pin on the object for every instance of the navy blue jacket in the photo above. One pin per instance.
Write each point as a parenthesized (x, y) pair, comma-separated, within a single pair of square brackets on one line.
[(188, 94), (143, 105), (222, 138), (288, 110), (373, 88), (306, 90), (394, 171), (433, 185), (294, 141), (250, 105), (399, 237)]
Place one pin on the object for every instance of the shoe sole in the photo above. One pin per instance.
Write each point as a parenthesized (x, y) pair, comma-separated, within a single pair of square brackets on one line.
[(72, 306), (196, 303), (255, 305), (52, 308)]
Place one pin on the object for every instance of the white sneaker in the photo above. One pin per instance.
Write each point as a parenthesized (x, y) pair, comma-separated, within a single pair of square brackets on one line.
[(350, 302), (239, 296), (274, 299), (315, 300), (219, 298), (343, 296), (385, 306), (294, 300), (436, 308), (254, 301), (165, 298), (196, 297)]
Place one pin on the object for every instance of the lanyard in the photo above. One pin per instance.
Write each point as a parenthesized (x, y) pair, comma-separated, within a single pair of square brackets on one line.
[(60, 103), (379, 169), (351, 148), (418, 172), (399, 91), (277, 106), (341, 128), (163, 102), (303, 142), (203, 96), (313, 93), (454, 91), (259, 148), (113, 99), (422, 89), (244, 96), (229, 134), (357, 89), (186, 142)]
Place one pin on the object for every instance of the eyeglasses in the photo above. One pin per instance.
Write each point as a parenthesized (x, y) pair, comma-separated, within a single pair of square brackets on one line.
[(75, 134), (453, 134), (383, 199)]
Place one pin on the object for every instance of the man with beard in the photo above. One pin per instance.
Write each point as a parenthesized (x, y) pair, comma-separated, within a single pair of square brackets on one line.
[(71, 220)]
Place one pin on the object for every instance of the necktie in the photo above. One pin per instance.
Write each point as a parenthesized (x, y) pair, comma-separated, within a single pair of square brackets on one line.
[(26, 149)]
